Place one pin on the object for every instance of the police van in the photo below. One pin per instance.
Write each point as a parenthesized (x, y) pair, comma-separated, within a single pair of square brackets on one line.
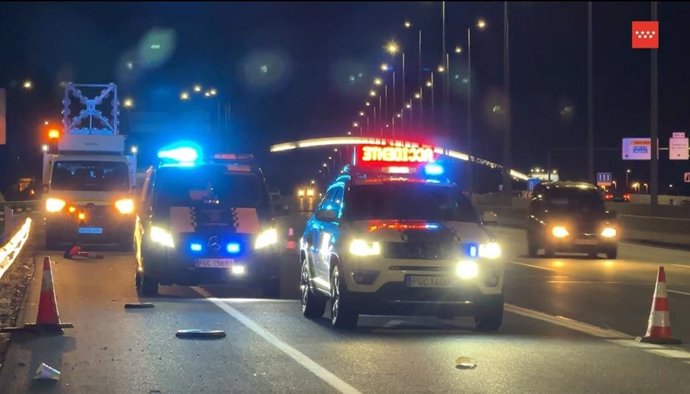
[(205, 221), (393, 236)]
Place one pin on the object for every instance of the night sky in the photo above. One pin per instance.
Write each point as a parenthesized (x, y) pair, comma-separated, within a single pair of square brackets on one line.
[(285, 70)]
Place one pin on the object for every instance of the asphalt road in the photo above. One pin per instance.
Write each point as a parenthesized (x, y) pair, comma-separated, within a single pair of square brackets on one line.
[(568, 328)]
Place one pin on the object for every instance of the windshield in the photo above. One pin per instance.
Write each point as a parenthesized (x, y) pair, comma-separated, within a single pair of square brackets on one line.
[(409, 202), (574, 200), (90, 176), (180, 186)]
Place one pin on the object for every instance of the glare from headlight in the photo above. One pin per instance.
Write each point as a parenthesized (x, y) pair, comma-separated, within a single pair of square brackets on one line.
[(266, 238), (125, 206), (360, 247), (162, 237), (54, 204), (467, 270), (559, 232), (609, 232), (238, 270), (491, 250)]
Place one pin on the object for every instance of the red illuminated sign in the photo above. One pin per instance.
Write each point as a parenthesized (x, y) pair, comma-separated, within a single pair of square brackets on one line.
[(394, 154)]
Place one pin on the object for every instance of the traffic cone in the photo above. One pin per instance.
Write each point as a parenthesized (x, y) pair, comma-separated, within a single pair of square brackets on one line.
[(47, 318), (73, 251), (659, 326), (291, 244)]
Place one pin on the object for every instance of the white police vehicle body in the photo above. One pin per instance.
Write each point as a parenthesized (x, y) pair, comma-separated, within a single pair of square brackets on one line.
[(205, 221), (394, 238)]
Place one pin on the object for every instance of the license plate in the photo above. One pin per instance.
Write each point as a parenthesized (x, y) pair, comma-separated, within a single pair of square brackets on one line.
[(214, 263), (90, 230), (585, 242), (429, 281)]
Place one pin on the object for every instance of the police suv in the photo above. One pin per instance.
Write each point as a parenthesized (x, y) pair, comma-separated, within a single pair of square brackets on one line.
[(393, 236), (204, 222)]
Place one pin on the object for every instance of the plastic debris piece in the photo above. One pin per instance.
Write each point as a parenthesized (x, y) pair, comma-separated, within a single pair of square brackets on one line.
[(465, 363), (46, 372), (138, 305), (200, 334)]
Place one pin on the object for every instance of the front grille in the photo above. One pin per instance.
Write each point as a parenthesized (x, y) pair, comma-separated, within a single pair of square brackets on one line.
[(419, 251)]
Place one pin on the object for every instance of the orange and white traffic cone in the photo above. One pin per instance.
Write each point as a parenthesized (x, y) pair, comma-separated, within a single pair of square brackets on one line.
[(47, 318), (659, 327), (291, 244)]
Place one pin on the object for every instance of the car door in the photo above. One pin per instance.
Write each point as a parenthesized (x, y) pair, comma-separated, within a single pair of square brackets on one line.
[(320, 237), (143, 212), (330, 231)]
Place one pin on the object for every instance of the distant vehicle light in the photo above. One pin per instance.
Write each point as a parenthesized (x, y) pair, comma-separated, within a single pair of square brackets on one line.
[(125, 206), (467, 270), (81, 216), (53, 134), (233, 248), (300, 193), (559, 232), (433, 169), (54, 205), (609, 232), (195, 247), (71, 209), (310, 192)]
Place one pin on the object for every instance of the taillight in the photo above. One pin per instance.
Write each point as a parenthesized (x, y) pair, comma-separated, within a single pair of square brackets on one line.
[(54, 205), (125, 206)]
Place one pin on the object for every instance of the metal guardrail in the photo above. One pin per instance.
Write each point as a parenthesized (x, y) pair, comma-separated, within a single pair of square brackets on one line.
[(9, 252)]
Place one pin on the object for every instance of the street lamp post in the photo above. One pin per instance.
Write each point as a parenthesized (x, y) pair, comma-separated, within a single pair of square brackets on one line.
[(627, 180), (507, 145)]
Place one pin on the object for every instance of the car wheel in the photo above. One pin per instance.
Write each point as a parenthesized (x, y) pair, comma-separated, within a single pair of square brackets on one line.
[(313, 304), (146, 286), (343, 315), (612, 253), (490, 317)]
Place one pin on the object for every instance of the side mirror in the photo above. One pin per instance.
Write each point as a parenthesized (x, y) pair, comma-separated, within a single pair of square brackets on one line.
[(281, 209), (327, 215), (489, 217)]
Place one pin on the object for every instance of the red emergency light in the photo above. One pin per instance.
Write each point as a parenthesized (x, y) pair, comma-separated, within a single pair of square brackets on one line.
[(376, 155)]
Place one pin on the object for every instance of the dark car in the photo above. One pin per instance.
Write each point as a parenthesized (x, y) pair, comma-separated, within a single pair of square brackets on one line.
[(571, 217), (204, 223), (616, 196)]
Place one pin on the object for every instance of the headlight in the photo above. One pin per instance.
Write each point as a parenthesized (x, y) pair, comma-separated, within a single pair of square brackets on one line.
[(467, 269), (162, 237), (559, 232), (125, 206), (266, 238), (609, 232), (54, 204), (360, 247), (491, 250)]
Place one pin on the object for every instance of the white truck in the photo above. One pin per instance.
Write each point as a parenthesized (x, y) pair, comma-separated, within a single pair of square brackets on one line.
[(88, 178)]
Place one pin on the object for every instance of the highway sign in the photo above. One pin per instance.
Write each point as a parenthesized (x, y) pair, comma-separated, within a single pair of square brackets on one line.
[(678, 148), (686, 177), (604, 179), (678, 134), (637, 148)]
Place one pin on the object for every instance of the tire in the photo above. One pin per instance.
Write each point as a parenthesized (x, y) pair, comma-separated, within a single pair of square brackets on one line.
[(343, 314), (490, 317), (313, 304), (612, 254), (146, 286), (271, 288)]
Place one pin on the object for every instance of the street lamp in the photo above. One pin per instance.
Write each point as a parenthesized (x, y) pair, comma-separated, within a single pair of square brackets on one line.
[(627, 181), (197, 88), (184, 96), (128, 102), (28, 85), (377, 81), (481, 23)]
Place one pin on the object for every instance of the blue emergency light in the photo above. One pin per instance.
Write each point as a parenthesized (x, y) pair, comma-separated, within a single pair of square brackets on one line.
[(181, 153), (195, 247), (433, 169), (233, 248)]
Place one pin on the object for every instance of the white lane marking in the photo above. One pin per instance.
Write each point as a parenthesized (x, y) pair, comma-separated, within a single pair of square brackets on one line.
[(653, 247), (672, 353), (321, 372), (681, 265), (641, 345), (583, 282), (533, 266), (393, 323), (567, 323), (679, 292)]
